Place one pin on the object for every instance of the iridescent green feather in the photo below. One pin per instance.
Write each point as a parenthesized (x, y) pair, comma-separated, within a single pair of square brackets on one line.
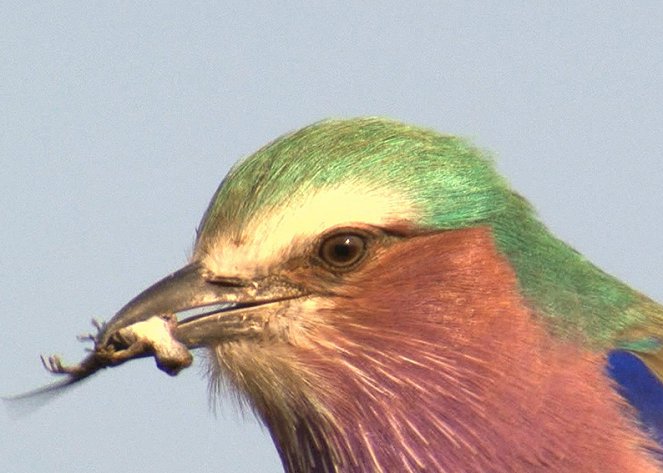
[(454, 185)]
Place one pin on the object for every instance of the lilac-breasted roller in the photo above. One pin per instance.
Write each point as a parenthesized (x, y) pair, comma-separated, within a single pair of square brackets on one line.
[(386, 303)]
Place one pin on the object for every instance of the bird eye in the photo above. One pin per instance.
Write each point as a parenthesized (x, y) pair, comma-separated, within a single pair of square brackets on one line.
[(343, 250)]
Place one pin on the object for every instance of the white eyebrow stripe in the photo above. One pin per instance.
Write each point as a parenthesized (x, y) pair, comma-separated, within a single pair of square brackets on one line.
[(269, 237)]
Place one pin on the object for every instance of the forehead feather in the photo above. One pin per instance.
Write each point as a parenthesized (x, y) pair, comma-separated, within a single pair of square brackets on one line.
[(277, 233), (447, 181)]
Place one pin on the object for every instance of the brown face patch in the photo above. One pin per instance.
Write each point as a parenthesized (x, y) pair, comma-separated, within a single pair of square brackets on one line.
[(454, 280), (426, 356)]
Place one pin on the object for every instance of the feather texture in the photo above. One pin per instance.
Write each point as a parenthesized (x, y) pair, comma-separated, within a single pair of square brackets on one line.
[(444, 183), (428, 358)]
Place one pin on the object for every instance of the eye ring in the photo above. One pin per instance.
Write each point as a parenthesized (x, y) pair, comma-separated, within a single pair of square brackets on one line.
[(343, 250)]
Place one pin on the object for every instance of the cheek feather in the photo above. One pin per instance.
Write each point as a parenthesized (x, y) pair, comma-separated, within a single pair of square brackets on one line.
[(428, 347), (435, 336), (276, 233)]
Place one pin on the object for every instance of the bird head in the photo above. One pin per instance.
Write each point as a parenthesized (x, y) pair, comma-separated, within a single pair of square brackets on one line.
[(378, 294)]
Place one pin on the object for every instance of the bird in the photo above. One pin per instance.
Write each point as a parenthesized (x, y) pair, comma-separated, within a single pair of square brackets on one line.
[(383, 301)]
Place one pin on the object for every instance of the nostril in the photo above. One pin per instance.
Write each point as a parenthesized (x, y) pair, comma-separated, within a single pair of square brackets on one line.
[(228, 281)]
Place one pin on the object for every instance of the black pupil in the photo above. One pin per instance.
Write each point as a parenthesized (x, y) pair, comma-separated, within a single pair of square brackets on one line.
[(345, 250)]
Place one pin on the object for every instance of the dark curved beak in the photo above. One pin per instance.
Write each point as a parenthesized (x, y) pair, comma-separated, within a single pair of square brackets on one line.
[(185, 310), (208, 309), (183, 290), (203, 309)]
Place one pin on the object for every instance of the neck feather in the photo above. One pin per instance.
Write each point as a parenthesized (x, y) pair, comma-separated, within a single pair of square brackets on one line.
[(430, 360)]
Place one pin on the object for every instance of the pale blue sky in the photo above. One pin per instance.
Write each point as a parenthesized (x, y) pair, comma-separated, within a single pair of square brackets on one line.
[(119, 121)]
